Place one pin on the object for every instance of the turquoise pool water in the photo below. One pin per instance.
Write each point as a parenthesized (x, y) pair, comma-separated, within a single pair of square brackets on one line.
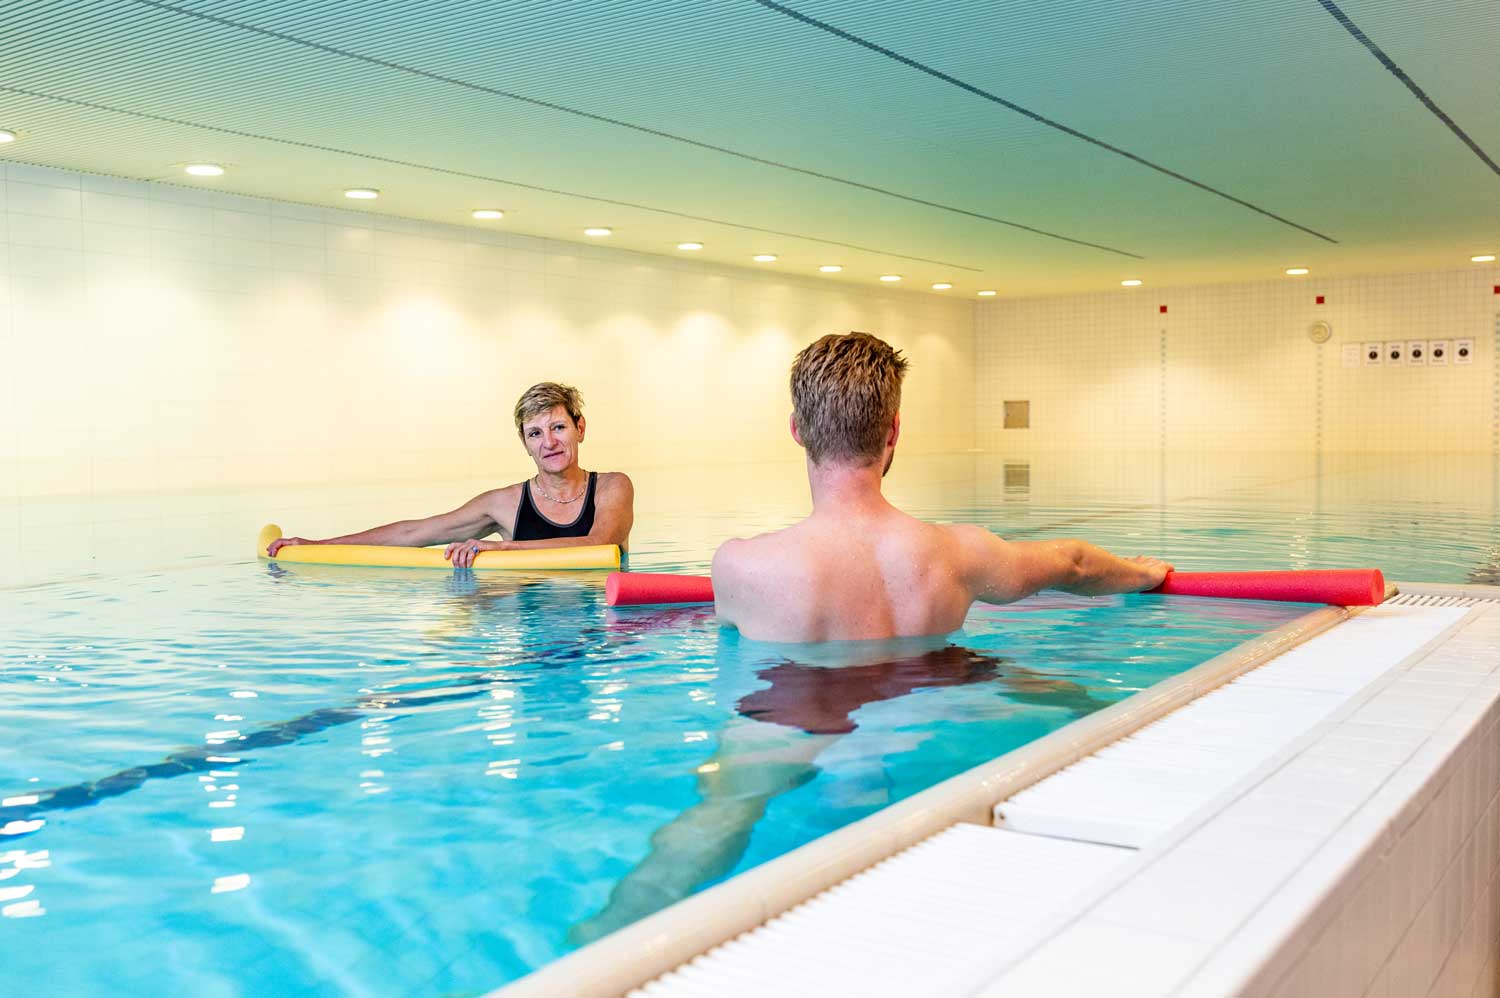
[(257, 780)]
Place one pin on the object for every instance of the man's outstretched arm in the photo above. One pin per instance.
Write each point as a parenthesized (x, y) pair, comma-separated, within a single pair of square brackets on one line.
[(1005, 571)]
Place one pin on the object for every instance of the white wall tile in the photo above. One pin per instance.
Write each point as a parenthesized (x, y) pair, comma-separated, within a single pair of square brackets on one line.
[(120, 240), (220, 343), (97, 184), (296, 232), (1230, 367), (114, 209), (241, 224), (51, 232), (45, 175)]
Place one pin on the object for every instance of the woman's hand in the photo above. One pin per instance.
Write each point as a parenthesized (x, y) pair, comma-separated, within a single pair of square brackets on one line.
[(282, 542), (462, 553)]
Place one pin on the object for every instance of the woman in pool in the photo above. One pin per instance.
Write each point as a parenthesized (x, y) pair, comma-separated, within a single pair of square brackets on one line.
[(561, 506)]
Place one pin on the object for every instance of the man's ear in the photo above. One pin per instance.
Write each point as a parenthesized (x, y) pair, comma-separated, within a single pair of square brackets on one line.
[(895, 434), (792, 422), (581, 423)]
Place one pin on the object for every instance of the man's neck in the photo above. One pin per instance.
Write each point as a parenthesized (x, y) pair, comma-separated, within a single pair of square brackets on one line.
[(846, 489)]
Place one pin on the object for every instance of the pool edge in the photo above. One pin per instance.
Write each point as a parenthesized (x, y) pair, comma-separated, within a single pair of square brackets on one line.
[(660, 942)]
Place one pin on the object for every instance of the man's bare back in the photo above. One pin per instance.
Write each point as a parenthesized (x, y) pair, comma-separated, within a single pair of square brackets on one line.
[(828, 578), (883, 574), (858, 568)]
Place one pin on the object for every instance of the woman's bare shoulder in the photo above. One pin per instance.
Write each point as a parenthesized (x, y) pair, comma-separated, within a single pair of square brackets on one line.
[(615, 481)]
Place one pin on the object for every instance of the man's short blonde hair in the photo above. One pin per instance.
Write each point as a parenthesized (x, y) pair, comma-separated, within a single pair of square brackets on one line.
[(543, 397), (846, 390)]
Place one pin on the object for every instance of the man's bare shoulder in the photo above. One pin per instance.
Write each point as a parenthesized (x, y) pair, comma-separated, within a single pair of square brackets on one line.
[(970, 534), (744, 552), (977, 548)]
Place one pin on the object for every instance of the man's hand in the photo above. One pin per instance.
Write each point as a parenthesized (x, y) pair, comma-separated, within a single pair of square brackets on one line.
[(1156, 570), (462, 553), (282, 542)]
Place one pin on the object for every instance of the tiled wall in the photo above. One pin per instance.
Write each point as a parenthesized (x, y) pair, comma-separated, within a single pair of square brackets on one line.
[(157, 340), (1418, 910), (1232, 367), (165, 337)]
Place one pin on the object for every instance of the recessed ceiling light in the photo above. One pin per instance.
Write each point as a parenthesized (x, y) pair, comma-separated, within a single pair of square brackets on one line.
[(764, 258), (1483, 258), (6, 135), (204, 169), (690, 246), (988, 294), (1295, 271), (1133, 282), (830, 268), (890, 278), (487, 214), (941, 286), (362, 193), (597, 230)]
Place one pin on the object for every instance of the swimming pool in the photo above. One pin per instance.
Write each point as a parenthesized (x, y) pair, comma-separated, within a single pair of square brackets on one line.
[(377, 781)]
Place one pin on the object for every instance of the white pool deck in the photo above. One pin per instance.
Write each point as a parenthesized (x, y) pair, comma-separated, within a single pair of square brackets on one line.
[(1324, 823)]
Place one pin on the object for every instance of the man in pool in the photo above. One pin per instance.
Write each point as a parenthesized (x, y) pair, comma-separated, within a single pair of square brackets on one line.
[(859, 568), (561, 506)]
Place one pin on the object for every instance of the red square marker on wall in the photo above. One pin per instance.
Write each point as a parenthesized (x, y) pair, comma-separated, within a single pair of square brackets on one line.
[(1497, 289), (1320, 299), (1163, 308)]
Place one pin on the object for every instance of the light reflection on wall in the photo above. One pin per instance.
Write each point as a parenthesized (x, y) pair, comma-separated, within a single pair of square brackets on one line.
[(370, 354)]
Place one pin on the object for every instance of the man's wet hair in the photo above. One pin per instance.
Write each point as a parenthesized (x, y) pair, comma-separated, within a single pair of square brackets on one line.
[(846, 390)]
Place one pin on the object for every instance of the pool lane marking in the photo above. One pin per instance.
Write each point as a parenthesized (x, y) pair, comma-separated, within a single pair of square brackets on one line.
[(1407, 81), (201, 759), (1027, 113), (398, 67)]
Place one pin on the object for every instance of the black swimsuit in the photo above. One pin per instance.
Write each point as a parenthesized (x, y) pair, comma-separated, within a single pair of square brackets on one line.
[(531, 525)]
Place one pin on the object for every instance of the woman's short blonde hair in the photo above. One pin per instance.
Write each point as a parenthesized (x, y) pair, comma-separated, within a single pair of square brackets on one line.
[(846, 390), (546, 396)]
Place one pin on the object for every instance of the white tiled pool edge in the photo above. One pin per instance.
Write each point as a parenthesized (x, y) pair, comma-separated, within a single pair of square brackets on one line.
[(656, 944), (1397, 892), (1362, 860), (1413, 899)]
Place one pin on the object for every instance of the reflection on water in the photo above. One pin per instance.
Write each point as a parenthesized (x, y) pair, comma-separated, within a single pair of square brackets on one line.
[(388, 781), (801, 712)]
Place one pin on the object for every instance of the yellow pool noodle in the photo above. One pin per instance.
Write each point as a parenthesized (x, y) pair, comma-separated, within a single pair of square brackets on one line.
[(388, 556)]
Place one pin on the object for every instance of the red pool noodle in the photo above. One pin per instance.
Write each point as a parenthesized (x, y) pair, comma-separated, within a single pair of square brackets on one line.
[(1340, 587), (641, 588)]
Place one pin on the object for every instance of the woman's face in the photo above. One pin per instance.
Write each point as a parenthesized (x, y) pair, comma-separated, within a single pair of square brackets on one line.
[(552, 439)]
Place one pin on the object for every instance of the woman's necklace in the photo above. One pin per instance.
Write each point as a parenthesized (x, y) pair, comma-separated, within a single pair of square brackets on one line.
[(537, 481)]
